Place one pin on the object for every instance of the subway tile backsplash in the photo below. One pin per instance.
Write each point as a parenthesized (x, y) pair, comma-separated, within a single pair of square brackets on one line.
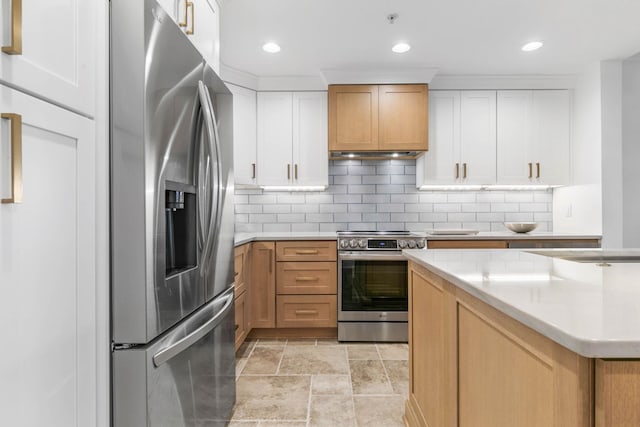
[(381, 195)]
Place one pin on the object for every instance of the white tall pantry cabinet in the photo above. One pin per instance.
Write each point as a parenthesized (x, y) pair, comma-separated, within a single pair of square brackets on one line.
[(53, 173)]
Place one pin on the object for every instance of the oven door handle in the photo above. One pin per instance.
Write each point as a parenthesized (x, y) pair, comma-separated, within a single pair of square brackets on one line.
[(355, 256)]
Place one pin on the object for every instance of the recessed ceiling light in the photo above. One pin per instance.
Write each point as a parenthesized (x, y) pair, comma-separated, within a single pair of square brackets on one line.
[(532, 46), (401, 48), (271, 47)]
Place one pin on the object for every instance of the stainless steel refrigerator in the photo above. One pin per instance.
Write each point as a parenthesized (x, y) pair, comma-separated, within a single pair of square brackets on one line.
[(172, 226)]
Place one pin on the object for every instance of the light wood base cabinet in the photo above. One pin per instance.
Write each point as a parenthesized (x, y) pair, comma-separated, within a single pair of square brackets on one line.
[(263, 285), (242, 282), (471, 365)]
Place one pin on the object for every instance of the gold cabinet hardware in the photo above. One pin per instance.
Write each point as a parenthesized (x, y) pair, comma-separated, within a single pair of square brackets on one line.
[(295, 171), (288, 171), (457, 170), (16, 157), (464, 171), (270, 258), (16, 29), (537, 170), (183, 23), (193, 23), (307, 279), (307, 251), (237, 326), (253, 167), (530, 170), (306, 311)]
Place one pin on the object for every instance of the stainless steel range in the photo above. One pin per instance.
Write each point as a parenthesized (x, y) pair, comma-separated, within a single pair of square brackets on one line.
[(372, 284)]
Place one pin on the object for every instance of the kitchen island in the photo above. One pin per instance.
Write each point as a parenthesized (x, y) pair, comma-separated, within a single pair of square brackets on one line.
[(504, 338)]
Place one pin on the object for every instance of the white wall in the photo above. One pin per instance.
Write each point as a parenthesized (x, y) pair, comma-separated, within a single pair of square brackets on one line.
[(578, 208), (631, 150), (611, 128)]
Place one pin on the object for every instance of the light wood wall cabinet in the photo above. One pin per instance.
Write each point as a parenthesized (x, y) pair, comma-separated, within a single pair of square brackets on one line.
[(292, 139), (533, 139), (378, 118), (263, 285), (242, 267), (306, 284), (471, 365)]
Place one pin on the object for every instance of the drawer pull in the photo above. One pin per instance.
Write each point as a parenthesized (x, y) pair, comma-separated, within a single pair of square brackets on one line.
[(16, 29), (306, 311), (307, 251), (307, 279)]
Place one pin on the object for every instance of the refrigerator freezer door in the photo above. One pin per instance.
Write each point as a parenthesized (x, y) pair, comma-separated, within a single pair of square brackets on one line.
[(185, 378), (155, 74)]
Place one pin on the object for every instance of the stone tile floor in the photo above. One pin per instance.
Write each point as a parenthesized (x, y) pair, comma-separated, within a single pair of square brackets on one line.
[(309, 383)]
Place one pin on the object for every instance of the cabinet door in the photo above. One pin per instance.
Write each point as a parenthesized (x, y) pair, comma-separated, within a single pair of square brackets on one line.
[(244, 135), (478, 137), (205, 31), (402, 120), (275, 138), (438, 165), (58, 48), (240, 314), (551, 132), (353, 117), (47, 267), (263, 285), (515, 160), (310, 153)]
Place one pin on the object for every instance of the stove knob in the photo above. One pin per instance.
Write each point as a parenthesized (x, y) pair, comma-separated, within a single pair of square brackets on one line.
[(353, 243), (402, 244), (420, 244), (412, 244), (362, 243), (344, 244)]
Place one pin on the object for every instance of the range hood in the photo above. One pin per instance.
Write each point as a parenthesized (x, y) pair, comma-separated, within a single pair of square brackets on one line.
[(374, 155)]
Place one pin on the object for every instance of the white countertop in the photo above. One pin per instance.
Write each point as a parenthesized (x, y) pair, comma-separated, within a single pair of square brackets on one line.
[(242, 238), (592, 310)]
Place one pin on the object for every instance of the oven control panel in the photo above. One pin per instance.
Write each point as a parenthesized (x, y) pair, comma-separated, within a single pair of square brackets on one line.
[(381, 244)]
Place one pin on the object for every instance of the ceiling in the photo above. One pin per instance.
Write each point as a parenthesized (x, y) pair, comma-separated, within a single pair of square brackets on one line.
[(456, 37)]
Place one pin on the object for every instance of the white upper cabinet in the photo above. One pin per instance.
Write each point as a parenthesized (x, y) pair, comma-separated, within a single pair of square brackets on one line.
[(47, 264), (310, 139), (534, 130), (200, 20), (50, 50), (244, 135), (462, 139), (292, 139)]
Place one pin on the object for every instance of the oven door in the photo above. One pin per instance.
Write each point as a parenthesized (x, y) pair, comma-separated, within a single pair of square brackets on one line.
[(372, 287)]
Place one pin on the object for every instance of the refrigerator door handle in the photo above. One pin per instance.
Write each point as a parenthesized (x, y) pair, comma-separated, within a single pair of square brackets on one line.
[(179, 346), (210, 125)]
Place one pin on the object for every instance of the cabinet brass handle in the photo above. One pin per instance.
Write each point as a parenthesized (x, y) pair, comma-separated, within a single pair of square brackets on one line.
[(457, 170), (16, 157), (464, 171), (253, 166), (307, 279), (288, 171), (530, 170), (295, 171), (236, 274), (16, 29), (538, 170), (307, 251), (306, 311), (183, 23), (193, 24), (237, 326)]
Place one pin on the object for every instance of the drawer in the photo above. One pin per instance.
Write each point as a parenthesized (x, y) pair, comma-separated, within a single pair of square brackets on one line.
[(306, 251), (308, 278), (305, 311)]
